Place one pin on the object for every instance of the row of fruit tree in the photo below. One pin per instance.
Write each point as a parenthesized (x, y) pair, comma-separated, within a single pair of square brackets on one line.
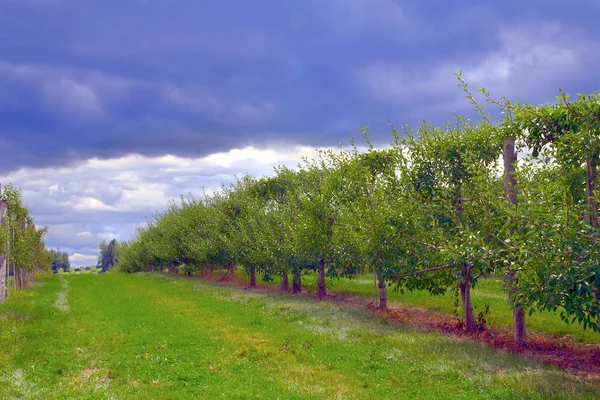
[(438, 209)]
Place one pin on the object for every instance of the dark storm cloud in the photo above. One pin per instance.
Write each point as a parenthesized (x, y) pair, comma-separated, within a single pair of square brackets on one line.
[(81, 79)]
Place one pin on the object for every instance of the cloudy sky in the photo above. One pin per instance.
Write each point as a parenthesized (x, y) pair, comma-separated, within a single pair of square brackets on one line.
[(109, 108)]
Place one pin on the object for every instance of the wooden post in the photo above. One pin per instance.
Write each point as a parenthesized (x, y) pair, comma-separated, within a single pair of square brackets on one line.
[(3, 254), (32, 267), (3, 280)]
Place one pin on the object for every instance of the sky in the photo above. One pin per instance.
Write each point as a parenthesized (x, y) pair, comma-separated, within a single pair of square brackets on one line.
[(111, 108)]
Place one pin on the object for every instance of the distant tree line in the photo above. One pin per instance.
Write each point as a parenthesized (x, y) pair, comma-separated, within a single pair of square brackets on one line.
[(439, 209), (60, 261), (109, 254)]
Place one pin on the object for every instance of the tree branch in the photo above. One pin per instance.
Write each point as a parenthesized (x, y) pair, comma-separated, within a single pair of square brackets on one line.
[(423, 271)]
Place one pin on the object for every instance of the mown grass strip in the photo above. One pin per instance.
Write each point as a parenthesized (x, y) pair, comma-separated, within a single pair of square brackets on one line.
[(150, 336)]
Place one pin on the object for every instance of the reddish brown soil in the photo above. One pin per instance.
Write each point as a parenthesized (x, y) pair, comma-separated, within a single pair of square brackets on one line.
[(581, 360)]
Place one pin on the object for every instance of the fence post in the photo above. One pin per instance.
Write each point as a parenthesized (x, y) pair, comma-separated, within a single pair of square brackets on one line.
[(3, 253)]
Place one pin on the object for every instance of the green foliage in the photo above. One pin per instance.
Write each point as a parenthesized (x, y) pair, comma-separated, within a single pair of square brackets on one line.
[(429, 212), (19, 236), (109, 254), (60, 261), (572, 128)]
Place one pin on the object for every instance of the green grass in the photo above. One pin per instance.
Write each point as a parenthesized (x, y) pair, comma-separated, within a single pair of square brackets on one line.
[(488, 292), (154, 336)]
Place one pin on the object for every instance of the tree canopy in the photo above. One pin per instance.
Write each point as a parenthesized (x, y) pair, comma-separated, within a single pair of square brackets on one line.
[(438, 209)]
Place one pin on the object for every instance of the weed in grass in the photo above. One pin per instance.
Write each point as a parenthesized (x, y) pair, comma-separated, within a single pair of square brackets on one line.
[(19, 386), (61, 300)]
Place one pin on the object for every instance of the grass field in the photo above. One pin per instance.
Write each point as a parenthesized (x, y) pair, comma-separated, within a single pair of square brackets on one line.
[(156, 336), (488, 292)]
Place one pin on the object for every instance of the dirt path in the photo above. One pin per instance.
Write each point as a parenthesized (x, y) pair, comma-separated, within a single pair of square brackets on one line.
[(582, 360)]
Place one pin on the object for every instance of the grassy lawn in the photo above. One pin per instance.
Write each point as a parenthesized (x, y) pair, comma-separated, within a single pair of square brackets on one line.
[(147, 336), (488, 292)]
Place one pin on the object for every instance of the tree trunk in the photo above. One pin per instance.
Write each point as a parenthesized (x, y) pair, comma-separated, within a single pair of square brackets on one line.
[(382, 293), (297, 280), (231, 269), (284, 282), (19, 277), (321, 283), (509, 156), (592, 173), (203, 271), (519, 324), (252, 277), (465, 294), (518, 311)]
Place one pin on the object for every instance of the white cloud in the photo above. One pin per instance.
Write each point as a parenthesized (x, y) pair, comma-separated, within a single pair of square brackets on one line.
[(104, 199), (91, 204), (54, 189), (251, 156)]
